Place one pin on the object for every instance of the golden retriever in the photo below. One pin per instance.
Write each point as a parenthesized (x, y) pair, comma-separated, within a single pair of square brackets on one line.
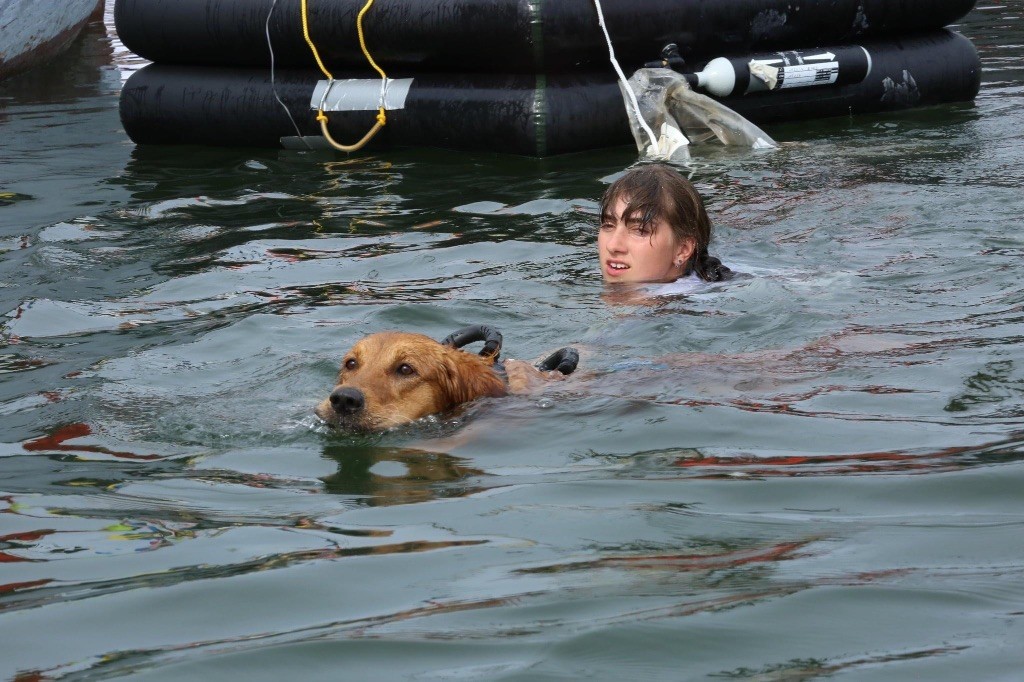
[(393, 378)]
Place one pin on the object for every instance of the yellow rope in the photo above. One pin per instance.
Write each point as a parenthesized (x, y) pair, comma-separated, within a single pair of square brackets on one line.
[(362, 41), (309, 41), (320, 115)]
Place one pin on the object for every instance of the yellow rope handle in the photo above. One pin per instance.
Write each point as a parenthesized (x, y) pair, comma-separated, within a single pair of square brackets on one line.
[(320, 115)]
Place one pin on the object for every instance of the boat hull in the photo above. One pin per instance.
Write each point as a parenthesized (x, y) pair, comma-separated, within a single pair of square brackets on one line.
[(35, 31)]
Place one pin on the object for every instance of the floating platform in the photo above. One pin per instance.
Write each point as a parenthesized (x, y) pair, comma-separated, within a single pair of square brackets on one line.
[(533, 114), (528, 77)]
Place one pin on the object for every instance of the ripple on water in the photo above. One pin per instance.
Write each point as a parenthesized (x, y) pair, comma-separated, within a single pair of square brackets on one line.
[(812, 470)]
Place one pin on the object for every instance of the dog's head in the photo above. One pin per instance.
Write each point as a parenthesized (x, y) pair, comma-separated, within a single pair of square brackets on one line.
[(392, 378)]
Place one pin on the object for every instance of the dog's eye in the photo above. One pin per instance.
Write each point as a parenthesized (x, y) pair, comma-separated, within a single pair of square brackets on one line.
[(350, 363), (405, 369)]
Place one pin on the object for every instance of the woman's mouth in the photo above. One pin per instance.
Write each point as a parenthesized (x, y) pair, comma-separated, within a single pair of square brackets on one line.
[(614, 267)]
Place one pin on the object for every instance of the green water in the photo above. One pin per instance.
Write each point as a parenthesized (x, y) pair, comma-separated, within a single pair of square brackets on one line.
[(811, 472)]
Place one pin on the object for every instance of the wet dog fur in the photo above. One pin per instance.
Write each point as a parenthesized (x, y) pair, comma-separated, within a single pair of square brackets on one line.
[(392, 378)]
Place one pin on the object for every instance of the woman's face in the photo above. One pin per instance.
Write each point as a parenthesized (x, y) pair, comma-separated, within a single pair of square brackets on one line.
[(631, 251)]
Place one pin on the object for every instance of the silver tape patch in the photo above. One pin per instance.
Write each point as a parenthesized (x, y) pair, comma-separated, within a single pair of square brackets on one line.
[(361, 94)]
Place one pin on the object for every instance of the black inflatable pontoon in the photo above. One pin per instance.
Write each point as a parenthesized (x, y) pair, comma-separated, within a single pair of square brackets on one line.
[(518, 77)]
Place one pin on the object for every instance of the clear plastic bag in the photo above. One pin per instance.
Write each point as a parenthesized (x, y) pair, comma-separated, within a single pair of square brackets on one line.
[(681, 117)]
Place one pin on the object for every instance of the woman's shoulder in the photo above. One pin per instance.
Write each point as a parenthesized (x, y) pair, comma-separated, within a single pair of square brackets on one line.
[(687, 284), (693, 284)]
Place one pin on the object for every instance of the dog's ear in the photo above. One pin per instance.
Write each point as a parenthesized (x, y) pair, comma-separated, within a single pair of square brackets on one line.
[(467, 377)]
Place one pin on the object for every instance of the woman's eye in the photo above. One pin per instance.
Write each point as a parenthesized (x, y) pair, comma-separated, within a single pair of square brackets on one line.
[(607, 226), (406, 370), (640, 229), (350, 363)]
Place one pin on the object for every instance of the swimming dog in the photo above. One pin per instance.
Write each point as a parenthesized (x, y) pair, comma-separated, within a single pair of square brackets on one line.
[(392, 378)]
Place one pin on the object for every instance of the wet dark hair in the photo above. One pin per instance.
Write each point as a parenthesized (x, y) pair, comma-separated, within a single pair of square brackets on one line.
[(656, 191)]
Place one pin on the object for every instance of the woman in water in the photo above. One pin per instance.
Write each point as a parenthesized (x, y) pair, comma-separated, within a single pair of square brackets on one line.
[(654, 228)]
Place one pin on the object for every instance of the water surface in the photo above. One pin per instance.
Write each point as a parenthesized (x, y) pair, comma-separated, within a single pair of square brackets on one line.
[(813, 471)]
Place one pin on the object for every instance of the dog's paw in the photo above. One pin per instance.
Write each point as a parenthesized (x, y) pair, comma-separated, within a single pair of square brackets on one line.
[(563, 360)]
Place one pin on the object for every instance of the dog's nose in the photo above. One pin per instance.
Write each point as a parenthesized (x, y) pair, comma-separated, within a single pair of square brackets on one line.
[(347, 400)]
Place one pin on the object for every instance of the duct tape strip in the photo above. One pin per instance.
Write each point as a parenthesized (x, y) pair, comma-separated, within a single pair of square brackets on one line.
[(361, 94)]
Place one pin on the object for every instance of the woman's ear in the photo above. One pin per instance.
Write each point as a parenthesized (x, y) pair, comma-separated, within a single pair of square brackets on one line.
[(684, 251)]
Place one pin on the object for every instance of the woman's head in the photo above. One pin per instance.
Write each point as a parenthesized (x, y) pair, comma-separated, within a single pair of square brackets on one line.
[(654, 228)]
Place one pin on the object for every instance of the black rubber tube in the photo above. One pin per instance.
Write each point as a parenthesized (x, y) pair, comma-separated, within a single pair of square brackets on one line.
[(564, 360), (511, 114), (477, 332), (516, 114), (505, 36)]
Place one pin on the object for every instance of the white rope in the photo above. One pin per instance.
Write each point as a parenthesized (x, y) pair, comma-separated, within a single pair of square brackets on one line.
[(622, 77), (273, 82)]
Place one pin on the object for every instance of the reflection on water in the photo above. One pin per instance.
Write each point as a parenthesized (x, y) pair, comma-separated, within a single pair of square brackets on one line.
[(389, 475), (945, 459), (57, 442), (813, 469)]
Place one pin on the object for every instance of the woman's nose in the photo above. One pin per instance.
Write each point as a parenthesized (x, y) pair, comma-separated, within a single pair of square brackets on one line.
[(615, 242)]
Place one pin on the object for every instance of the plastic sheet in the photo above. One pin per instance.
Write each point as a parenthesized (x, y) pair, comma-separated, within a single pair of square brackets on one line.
[(682, 117)]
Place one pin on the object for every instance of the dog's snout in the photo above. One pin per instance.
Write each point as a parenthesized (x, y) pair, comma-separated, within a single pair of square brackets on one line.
[(347, 400)]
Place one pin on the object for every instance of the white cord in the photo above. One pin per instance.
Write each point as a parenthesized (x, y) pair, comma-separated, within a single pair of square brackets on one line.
[(273, 84), (622, 77)]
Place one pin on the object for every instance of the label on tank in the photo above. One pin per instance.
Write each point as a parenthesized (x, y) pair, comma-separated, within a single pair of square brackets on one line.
[(803, 75)]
